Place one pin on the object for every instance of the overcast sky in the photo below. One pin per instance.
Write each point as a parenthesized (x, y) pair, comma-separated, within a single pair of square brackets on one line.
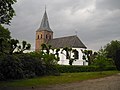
[(96, 22)]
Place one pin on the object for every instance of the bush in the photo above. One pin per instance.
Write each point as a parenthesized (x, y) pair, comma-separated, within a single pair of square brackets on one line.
[(117, 59), (20, 66), (10, 67), (32, 66), (72, 69)]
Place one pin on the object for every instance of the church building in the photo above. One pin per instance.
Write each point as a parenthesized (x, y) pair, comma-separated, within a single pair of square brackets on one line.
[(45, 35)]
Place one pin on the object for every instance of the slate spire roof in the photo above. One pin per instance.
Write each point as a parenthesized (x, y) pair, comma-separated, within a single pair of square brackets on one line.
[(70, 41), (45, 23)]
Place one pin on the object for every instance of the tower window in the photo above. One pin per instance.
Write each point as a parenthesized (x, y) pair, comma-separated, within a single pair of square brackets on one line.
[(50, 37), (46, 36), (38, 37), (41, 35)]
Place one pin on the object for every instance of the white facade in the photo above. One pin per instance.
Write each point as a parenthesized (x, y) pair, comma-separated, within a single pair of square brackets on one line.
[(64, 61)]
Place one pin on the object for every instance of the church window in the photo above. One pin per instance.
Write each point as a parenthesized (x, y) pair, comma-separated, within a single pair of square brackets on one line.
[(46, 36), (76, 54), (50, 37), (38, 37), (41, 35)]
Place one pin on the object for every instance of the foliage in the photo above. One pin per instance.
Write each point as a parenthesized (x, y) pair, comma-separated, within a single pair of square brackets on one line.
[(101, 60), (111, 49), (13, 45), (6, 11), (89, 56), (117, 59), (48, 60), (73, 69), (10, 67), (4, 38), (8, 45), (32, 66), (4, 33), (23, 47), (68, 54)]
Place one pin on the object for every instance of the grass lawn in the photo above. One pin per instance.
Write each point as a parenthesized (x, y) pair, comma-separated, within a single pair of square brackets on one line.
[(51, 80)]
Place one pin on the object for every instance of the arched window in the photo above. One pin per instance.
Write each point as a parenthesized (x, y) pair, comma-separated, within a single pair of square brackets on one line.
[(38, 37), (41, 35), (46, 37), (50, 37), (76, 54)]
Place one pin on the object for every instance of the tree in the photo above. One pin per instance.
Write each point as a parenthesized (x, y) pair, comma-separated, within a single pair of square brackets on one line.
[(68, 54), (4, 37), (6, 11), (117, 59), (49, 58), (13, 45), (101, 59), (89, 56), (111, 49), (23, 47)]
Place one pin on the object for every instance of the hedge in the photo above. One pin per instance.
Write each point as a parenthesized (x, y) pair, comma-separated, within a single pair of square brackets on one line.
[(72, 69)]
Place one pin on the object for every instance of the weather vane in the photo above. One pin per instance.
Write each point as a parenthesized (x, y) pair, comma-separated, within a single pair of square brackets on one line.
[(76, 33)]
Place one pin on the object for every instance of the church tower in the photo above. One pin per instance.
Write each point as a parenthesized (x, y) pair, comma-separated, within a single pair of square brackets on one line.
[(44, 33)]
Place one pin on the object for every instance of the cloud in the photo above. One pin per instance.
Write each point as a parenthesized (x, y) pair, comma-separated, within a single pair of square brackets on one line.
[(108, 4), (96, 21)]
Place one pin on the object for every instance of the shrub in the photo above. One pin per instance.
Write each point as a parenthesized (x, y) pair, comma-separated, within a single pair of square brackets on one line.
[(117, 59), (10, 67), (72, 69), (32, 66)]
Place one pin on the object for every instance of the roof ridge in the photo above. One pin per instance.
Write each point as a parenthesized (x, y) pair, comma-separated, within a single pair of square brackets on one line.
[(66, 36), (68, 41)]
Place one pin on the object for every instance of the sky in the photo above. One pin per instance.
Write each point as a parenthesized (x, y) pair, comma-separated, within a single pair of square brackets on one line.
[(95, 22)]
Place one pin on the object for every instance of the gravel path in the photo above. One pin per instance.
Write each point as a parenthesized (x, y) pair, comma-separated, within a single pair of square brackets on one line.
[(107, 83)]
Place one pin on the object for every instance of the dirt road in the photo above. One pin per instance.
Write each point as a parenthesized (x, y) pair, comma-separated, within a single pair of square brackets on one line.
[(107, 83)]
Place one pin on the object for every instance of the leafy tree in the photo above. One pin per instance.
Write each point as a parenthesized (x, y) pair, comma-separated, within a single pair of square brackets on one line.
[(10, 67), (4, 37), (111, 49), (117, 59), (101, 60), (48, 57), (89, 56), (68, 54), (13, 45), (57, 54), (4, 33), (23, 47), (6, 11)]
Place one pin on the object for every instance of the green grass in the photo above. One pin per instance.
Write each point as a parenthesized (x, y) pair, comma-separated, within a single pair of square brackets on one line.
[(51, 80)]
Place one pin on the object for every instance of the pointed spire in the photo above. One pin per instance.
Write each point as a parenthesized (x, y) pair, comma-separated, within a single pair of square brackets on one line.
[(45, 24)]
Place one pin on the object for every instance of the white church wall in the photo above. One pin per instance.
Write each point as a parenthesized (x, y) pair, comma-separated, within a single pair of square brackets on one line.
[(64, 61)]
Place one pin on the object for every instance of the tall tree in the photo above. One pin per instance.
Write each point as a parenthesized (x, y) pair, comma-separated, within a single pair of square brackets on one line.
[(6, 11), (101, 60), (4, 37), (117, 59), (111, 48)]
